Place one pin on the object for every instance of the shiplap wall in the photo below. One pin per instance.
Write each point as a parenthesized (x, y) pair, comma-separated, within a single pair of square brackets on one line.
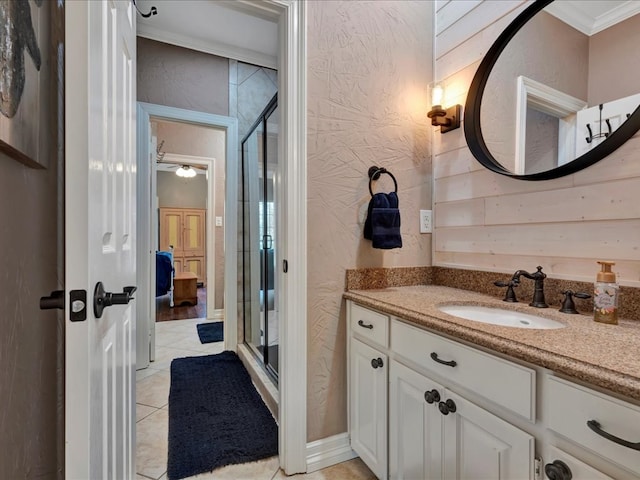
[(486, 221)]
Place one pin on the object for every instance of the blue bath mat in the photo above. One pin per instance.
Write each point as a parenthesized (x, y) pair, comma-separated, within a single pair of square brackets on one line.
[(211, 332), (216, 416)]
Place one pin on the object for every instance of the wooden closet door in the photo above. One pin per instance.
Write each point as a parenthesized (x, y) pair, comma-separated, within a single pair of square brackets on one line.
[(185, 229), (171, 230), (194, 237)]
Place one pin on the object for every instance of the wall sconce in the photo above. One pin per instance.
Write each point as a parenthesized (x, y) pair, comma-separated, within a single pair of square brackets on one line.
[(186, 171), (445, 118)]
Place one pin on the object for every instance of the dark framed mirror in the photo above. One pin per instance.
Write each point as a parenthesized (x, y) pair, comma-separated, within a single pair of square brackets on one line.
[(548, 98)]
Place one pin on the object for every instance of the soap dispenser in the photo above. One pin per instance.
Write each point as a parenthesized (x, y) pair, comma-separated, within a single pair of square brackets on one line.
[(605, 295)]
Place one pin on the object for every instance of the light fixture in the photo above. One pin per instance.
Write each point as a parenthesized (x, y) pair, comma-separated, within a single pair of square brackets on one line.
[(445, 118), (186, 171)]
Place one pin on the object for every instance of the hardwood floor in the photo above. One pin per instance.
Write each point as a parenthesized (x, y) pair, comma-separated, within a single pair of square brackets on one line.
[(164, 312)]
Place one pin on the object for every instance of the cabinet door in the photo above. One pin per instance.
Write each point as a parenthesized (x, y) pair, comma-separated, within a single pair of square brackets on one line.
[(368, 406), (193, 222), (171, 230), (415, 426), (479, 445)]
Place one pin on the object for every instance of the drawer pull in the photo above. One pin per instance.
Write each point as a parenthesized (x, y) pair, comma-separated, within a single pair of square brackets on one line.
[(365, 325), (595, 426), (377, 362), (450, 363)]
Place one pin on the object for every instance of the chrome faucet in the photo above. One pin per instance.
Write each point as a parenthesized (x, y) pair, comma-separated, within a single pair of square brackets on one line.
[(538, 288)]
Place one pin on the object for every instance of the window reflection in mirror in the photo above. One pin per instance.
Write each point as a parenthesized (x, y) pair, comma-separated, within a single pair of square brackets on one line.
[(541, 104)]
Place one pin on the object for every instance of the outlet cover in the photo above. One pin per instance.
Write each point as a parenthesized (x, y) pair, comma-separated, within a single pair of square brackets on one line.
[(426, 225)]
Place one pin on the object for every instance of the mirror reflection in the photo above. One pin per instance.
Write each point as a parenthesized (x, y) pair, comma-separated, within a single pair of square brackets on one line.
[(564, 82)]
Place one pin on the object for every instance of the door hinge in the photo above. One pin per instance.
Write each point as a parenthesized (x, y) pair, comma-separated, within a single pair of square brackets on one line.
[(537, 468)]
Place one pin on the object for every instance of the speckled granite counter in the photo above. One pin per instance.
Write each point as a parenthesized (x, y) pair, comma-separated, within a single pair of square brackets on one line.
[(604, 355)]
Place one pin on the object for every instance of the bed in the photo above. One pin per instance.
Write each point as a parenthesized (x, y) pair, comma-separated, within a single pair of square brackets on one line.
[(164, 274)]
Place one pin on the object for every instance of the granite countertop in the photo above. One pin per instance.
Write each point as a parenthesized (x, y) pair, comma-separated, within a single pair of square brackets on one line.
[(604, 355)]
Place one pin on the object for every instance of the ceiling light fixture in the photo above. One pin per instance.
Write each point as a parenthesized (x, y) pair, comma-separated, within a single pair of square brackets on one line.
[(186, 171)]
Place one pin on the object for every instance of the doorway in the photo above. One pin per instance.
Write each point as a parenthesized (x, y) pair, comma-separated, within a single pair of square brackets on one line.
[(290, 16), (189, 191), (222, 164)]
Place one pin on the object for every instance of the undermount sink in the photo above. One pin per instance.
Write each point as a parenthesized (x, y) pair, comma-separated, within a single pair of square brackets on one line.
[(499, 316)]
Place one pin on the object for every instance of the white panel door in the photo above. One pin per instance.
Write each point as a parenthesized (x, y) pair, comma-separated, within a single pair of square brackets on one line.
[(415, 425), (100, 238), (480, 446), (368, 409)]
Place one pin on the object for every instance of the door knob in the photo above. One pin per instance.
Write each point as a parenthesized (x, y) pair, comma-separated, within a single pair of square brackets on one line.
[(377, 362), (103, 299), (558, 470), (54, 300), (432, 396), (447, 407)]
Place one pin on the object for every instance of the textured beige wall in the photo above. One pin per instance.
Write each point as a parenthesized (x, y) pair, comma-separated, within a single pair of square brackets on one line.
[(489, 222), (182, 78), (31, 266), (31, 340), (369, 65)]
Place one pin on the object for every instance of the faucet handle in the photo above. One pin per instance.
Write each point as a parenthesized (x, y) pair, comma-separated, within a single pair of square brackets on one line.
[(568, 306), (510, 295)]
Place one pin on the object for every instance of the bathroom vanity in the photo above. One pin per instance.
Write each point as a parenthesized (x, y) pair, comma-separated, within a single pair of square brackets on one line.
[(435, 396)]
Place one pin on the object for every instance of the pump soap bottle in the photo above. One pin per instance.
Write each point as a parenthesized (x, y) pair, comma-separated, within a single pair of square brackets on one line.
[(605, 295)]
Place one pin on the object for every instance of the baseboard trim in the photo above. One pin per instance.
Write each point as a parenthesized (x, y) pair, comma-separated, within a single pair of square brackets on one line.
[(329, 451), (218, 314)]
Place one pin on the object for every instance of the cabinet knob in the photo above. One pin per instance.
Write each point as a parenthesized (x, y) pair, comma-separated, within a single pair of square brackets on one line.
[(558, 470), (432, 396), (447, 407), (377, 362)]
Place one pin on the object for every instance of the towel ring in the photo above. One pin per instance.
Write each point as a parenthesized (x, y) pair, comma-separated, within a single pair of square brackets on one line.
[(374, 174)]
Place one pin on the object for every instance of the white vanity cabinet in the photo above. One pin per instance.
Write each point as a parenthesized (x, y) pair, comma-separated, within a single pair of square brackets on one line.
[(368, 384), (434, 433), (425, 406)]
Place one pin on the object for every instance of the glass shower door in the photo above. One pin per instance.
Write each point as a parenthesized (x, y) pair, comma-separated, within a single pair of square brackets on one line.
[(260, 211)]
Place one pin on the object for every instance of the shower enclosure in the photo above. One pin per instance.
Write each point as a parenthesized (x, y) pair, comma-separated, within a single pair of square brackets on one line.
[(260, 177)]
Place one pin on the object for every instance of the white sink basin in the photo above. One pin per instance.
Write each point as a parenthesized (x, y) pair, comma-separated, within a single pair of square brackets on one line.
[(498, 316)]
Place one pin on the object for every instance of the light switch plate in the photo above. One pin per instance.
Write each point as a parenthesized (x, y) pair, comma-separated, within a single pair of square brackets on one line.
[(218, 221), (426, 221)]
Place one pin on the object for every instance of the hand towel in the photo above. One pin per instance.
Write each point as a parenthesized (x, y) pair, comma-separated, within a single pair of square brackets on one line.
[(382, 225)]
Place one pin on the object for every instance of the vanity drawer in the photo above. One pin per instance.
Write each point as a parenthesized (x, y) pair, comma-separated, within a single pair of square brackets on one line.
[(505, 383), (571, 406), (579, 470), (369, 324)]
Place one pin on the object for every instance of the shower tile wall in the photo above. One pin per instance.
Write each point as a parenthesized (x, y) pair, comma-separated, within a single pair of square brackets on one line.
[(250, 89)]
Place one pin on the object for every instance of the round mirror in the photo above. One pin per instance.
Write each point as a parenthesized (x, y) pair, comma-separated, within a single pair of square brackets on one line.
[(558, 89)]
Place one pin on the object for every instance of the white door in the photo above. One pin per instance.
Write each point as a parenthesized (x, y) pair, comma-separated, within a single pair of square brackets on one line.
[(368, 409), (481, 446), (100, 238), (415, 425)]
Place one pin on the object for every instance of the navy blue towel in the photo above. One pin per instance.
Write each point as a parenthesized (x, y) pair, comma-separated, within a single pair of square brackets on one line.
[(382, 225)]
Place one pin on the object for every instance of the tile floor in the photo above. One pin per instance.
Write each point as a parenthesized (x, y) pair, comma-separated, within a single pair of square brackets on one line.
[(179, 338)]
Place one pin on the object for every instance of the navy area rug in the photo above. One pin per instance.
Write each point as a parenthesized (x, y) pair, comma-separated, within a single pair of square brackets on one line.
[(216, 416), (210, 332)]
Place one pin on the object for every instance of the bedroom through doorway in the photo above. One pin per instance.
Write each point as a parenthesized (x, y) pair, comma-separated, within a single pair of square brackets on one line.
[(189, 181)]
